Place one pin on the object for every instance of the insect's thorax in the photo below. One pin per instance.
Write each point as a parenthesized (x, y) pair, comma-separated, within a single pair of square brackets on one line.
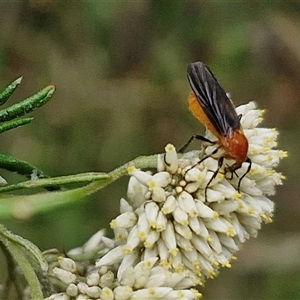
[(236, 147)]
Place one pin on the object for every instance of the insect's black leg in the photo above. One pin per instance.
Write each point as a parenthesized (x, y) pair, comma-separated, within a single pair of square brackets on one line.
[(215, 173), (194, 137), (202, 160), (220, 163), (248, 160), (231, 173), (165, 160)]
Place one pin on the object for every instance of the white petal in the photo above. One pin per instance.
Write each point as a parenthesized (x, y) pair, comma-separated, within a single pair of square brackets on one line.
[(180, 216), (151, 293), (93, 291), (112, 257), (170, 205), (67, 264), (158, 194), (72, 290), (106, 294), (92, 278), (150, 252), (125, 220), (152, 237), (183, 242), (171, 159), (204, 211), (82, 286), (169, 238), (162, 179), (124, 205), (187, 203), (123, 292), (183, 230), (107, 279), (129, 260), (136, 191), (65, 276), (133, 240), (94, 241), (201, 245), (141, 176), (161, 222), (143, 226), (151, 209)]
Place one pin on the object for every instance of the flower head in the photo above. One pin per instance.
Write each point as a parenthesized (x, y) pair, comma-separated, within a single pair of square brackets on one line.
[(179, 227), (192, 229)]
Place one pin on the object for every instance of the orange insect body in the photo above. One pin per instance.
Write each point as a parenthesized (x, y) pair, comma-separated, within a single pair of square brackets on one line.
[(209, 103), (199, 113), (235, 144), (236, 148)]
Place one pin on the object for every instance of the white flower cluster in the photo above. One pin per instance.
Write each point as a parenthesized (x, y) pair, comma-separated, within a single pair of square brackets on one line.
[(174, 231)]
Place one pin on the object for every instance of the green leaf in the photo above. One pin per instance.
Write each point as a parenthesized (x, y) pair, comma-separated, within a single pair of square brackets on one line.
[(4, 96), (12, 164), (27, 105), (15, 246), (14, 124), (24, 264), (27, 245)]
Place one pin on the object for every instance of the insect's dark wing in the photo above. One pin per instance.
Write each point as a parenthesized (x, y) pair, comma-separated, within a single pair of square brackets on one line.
[(213, 99)]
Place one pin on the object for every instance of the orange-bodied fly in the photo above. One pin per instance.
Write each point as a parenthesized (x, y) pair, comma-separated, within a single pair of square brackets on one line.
[(209, 103)]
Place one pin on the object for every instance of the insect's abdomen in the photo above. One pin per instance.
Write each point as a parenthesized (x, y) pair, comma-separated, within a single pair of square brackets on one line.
[(199, 113)]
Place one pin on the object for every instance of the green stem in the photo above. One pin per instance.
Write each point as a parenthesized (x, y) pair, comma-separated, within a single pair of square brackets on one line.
[(140, 162), (13, 164), (56, 181), (24, 206)]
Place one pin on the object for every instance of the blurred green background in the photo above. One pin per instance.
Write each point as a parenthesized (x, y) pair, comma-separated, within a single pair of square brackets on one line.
[(120, 72)]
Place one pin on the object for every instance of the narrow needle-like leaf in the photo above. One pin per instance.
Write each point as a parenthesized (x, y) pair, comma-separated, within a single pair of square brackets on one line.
[(30, 247), (14, 124), (24, 264), (4, 96), (22, 251), (12, 164), (27, 105)]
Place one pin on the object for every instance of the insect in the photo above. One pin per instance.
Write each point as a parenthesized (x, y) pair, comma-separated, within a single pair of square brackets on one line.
[(209, 103)]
